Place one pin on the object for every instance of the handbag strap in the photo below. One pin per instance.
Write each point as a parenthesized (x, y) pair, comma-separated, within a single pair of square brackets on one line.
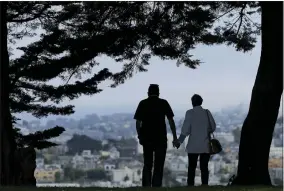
[(207, 111)]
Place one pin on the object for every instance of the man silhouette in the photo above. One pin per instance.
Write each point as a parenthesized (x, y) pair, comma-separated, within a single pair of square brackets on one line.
[(152, 134)]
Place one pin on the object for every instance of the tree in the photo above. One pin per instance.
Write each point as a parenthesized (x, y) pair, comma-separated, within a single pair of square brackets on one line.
[(78, 143), (7, 142), (97, 174), (126, 178), (58, 177), (13, 15), (223, 179), (265, 100), (73, 174), (39, 139)]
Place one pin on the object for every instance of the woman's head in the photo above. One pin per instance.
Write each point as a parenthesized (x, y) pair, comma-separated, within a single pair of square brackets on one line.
[(196, 100)]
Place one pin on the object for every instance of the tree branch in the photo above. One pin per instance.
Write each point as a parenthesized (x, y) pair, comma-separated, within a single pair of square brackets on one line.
[(258, 27), (100, 25), (241, 18), (234, 24), (220, 16), (74, 71), (35, 16)]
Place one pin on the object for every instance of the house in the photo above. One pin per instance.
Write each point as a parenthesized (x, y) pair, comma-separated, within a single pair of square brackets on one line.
[(276, 173), (85, 161), (109, 165), (77, 161), (227, 167), (217, 165), (276, 152), (89, 163), (52, 166), (99, 165), (126, 174), (105, 142), (114, 153), (275, 163), (39, 162), (105, 153), (96, 155), (127, 152), (86, 154), (130, 164), (61, 149), (136, 175), (43, 175), (177, 165), (64, 160), (47, 174), (232, 156), (182, 179)]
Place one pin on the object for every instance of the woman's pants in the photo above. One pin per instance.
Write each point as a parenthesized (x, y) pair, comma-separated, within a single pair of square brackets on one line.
[(203, 163)]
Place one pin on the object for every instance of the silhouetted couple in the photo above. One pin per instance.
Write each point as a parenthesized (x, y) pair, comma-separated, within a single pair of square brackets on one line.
[(152, 134)]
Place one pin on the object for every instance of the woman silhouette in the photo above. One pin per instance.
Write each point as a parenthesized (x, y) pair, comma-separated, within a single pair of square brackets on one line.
[(198, 125)]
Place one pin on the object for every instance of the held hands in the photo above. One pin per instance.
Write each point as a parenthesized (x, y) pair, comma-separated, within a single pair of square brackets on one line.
[(176, 143)]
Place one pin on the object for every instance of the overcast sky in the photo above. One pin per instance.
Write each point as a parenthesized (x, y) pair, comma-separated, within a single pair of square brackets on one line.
[(225, 78)]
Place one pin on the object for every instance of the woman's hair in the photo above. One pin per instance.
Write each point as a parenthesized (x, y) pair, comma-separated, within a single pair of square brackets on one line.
[(153, 90), (196, 100)]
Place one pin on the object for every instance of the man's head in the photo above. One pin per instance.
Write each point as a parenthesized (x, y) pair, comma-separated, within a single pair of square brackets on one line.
[(153, 90), (196, 100)]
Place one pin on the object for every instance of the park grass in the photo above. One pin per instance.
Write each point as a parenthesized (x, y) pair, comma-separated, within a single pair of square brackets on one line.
[(197, 188)]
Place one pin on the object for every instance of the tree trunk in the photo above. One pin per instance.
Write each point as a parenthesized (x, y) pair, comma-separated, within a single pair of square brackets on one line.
[(6, 134), (258, 127)]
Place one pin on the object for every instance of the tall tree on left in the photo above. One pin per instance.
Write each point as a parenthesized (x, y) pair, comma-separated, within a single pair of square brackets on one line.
[(7, 142), (10, 138)]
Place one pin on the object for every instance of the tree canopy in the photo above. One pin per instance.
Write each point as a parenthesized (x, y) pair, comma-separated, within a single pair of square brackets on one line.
[(75, 33)]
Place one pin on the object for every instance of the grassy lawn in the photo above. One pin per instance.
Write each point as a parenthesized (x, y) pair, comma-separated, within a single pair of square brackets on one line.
[(198, 188)]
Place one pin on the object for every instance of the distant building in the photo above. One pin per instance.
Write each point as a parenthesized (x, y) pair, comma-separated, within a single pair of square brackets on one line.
[(39, 162), (228, 137), (177, 165), (182, 179), (85, 161), (109, 165), (133, 175), (130, 164), (276, 173), (114, 153), (47, 174), (127, 152), (275, 163), (276, 151), (64, 160)]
